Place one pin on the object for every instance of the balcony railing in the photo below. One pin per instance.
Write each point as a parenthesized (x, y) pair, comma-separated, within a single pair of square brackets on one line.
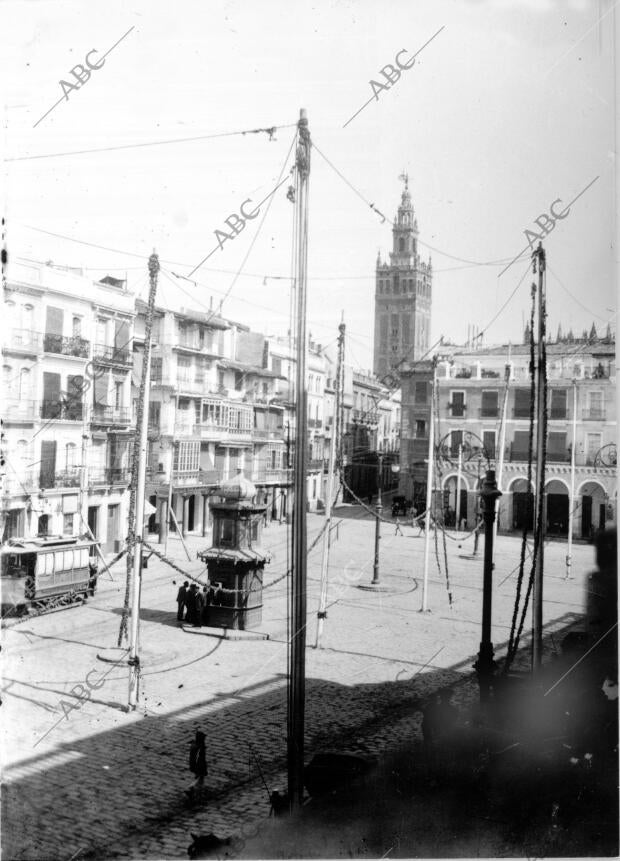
[(281, 476), (489, 412), (67, 478), (111, 415), (593, 414), (111, 475), (69, 412), (23, 340), (316, 464), (268, 434), (206, 430), (23, 483), (558, 456), (19, 410), (519, 455), (366, 416), (558, 413), (521, 412), (73, 346), (114, 355)]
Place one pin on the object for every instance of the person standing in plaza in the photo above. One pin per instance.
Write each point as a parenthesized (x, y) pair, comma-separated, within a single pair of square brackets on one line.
[(199, 606), (198, 766), (190, 603), (181, 597)]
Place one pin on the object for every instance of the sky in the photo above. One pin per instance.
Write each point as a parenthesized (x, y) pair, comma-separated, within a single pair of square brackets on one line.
[(507, 109)]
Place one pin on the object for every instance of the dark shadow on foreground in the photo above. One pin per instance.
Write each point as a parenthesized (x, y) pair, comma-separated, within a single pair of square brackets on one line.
[(95, 796)]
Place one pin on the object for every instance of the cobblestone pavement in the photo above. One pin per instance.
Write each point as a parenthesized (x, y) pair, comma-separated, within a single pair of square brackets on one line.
[(103, 783)]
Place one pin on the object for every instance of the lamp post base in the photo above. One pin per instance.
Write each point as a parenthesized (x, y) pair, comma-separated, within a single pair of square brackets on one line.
[(374, 587)]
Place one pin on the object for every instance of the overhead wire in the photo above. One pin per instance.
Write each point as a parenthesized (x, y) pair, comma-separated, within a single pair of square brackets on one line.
[(270, 131), (389, 221)]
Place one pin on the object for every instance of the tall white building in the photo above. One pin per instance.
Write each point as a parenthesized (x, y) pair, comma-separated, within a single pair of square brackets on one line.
[(67, 353)]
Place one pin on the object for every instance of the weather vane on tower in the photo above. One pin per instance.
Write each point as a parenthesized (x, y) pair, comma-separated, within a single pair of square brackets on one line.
[(405, 178)]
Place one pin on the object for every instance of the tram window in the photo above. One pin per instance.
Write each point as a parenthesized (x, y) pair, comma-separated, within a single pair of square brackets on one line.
[(68, 560), (58, 560), (83, 557), (47, 566)]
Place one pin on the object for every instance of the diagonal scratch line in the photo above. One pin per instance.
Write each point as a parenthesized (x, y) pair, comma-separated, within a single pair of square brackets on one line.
[(220, 245), (373, 97), (109, 51), (576, 664), (581, 38), (568, 206), (64, 715), (64, 96)]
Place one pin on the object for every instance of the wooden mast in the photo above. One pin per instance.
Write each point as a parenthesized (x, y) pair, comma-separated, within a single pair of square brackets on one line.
[(297, 659)]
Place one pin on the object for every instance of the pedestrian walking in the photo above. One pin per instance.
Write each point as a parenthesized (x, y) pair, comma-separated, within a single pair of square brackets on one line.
[(181, 596), (190, 603), (198, 766)]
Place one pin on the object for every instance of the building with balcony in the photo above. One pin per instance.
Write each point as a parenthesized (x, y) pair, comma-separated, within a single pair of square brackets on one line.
[(64, 415), (476, 389)]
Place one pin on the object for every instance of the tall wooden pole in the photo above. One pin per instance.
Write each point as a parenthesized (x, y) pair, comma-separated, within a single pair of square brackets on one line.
[(134, 659), (541, 407), (457, 501), (297, 668), (571, 501), (331, 475), (429, 495), (153, 266)]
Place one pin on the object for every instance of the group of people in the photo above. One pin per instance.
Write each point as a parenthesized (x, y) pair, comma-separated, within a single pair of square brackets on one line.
[(193, 605)]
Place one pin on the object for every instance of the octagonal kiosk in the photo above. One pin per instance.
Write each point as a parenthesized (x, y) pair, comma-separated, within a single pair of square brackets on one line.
[(236, 559)]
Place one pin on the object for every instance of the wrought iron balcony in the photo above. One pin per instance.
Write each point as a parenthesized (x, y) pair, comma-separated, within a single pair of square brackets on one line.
[(268, 434), (74, 346), (593, 414), (69, 411), (18, 410), (113, 355), (111, 475), (22, 340), (67, 478), (111, 415), (279, 476)]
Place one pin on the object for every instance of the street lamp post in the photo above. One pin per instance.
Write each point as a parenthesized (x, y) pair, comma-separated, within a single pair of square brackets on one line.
[(378, 509), (485, 665)]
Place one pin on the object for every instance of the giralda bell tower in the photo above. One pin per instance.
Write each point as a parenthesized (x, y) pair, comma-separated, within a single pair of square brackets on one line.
[(403, 294)]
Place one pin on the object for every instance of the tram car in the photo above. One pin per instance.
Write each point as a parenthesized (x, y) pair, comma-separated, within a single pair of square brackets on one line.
[(35, 570)]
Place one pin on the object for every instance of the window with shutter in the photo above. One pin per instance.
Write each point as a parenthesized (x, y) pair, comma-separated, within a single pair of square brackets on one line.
[(75, 384), (522, 404), (519, 447), (488, 441), (558, 403), (457, 403), (48, 464), (557, 450), (51, 407), (490, 401), (421, 392)]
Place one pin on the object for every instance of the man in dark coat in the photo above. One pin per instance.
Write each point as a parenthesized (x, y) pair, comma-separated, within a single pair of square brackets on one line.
[(198, 766), (206, 601), (199, 606), (181, 597), (190, 603)]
